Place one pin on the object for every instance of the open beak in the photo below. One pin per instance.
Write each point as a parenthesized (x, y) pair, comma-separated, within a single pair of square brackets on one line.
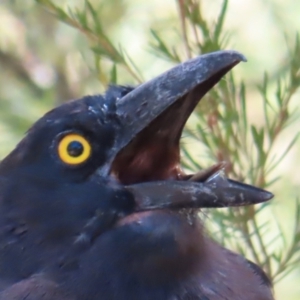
[(147, 154)]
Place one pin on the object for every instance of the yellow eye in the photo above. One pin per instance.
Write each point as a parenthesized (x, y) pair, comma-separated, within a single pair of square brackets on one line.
[(74, 149)]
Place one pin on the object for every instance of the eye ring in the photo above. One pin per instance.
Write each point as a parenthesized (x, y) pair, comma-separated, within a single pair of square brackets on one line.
[(74, 149)]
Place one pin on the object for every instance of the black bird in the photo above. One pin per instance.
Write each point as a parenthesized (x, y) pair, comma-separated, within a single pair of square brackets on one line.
[(94, 205)]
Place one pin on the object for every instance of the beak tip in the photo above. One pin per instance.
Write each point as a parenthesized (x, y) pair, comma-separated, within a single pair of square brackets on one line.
[(239, 56), (243, 58), (265, 195)]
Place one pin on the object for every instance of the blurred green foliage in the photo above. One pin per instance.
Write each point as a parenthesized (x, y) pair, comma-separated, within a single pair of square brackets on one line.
[(52, 51)]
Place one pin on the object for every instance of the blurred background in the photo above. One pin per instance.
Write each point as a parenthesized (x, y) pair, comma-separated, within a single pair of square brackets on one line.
[(44, 62)]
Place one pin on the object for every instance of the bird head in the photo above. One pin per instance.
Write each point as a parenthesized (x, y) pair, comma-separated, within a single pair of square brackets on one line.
[(92, 161)]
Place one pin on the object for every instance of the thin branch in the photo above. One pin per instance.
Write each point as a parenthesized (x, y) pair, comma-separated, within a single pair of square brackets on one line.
[(181, 10)]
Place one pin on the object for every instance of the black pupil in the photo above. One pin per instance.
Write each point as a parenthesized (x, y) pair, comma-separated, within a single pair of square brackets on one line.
[(75, 149)]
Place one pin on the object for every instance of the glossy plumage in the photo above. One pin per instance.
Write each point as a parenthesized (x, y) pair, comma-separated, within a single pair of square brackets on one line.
[(121, 224)]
